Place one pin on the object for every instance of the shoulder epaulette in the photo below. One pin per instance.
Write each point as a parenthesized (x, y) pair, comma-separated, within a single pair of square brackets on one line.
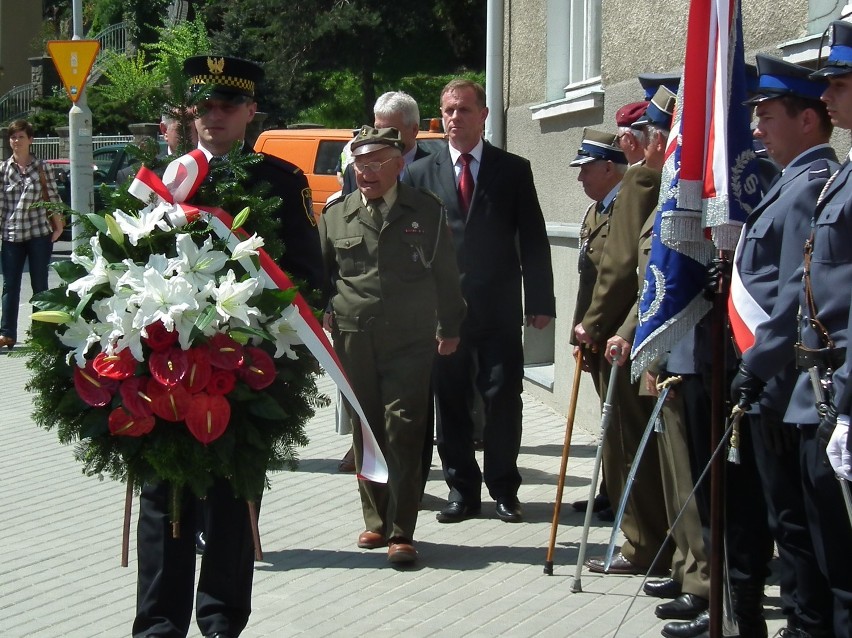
[(425, 191), (284, 165), (820, 169), (332, 202)]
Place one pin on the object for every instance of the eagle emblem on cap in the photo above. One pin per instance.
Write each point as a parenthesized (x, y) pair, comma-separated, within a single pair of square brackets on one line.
[(216, 67)]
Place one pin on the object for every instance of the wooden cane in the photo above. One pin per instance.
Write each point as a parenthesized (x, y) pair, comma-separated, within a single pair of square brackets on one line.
[(255, 532), (566, 450), (125, 532)]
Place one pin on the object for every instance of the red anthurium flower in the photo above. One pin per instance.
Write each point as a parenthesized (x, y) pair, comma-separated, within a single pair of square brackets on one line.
[(258, 369), (135, 398), (198, 374), (225, 353), (94, 389), (120, 365), (169, 402), (122, 423), (221, 382), (168, 367), (208, 416), (158, 337)]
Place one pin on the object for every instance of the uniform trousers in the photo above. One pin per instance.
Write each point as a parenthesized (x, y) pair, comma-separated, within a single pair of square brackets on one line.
[(829, 526), (495, 361), (644, 524), (389, 370), (805, 596), (167, 564), (689, 563)]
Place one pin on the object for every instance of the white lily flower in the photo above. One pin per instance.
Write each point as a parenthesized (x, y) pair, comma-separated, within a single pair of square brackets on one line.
[(98, 269), (247, 248), (80, 336), (162, 299), (139, 227), (198, 265), (232, 298), (117, 315), (186, 322), (284, 333)]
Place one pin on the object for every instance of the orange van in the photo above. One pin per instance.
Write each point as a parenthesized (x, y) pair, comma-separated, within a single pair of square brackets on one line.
[(317, 152)]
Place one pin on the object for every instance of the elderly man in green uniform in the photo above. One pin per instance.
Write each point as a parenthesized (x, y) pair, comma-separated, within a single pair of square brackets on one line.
[(396, 299)]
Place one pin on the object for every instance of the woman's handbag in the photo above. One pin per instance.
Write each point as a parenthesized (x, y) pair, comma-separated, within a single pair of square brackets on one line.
[(56, 218)]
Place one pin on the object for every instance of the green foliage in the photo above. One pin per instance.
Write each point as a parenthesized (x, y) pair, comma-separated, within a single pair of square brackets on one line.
[(132, 84), (176, 44)]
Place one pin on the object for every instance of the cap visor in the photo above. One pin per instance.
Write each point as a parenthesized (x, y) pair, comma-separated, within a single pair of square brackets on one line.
[(582, 159), (830, 71)]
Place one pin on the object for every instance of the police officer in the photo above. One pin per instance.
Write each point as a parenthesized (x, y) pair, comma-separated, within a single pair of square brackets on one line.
[(395, 294), (819, 293), (166, 564)]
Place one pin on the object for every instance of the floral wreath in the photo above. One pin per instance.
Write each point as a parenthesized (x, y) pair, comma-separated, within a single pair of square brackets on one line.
[(173, 348)]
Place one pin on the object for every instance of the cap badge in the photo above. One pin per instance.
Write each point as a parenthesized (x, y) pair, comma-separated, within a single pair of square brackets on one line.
[(216, 67)]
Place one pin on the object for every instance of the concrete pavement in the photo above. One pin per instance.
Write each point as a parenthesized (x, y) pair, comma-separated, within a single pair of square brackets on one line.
[(60, 538)]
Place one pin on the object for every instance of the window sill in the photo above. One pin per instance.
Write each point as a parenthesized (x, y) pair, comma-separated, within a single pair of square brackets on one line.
[(804, 50), (541, 374), (578, 98)]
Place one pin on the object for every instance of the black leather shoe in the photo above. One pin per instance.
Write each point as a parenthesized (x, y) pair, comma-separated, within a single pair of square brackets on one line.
[(200, 543), (606, 515), (456, 511), (666, 588), (697, 628), (509, 509), (218, 634), (601, 503), (684, 607)]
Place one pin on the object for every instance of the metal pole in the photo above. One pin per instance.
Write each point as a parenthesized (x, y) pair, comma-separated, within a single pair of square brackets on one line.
[(80, 140), (494, 125), (566, 450), (606, 417)]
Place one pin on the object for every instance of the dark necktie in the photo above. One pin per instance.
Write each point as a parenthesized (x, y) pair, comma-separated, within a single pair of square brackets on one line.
[(465, 183), (374, 208)]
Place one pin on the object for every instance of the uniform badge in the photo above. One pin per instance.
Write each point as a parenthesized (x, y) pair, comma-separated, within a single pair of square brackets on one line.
[(308, 205), (216, 66)]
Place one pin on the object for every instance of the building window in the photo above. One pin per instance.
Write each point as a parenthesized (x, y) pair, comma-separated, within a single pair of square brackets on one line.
[(573, 44)]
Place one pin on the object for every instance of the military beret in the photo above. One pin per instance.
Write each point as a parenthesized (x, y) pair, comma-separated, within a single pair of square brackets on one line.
[(229, 77), (371, 139), (629, 113), (840, 54), (597, 145), (778, 78)]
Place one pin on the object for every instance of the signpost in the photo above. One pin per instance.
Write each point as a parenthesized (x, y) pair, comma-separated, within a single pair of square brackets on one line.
[(74, 60)]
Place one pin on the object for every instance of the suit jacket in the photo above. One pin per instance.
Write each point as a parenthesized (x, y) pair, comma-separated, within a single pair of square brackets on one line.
[(771, 248), (502, 245), (831, 271), (349, 184), (617, 285)]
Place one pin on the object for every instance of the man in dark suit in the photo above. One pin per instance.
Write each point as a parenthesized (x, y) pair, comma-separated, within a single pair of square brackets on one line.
[(166, 564), (501, 244), (818, 292)]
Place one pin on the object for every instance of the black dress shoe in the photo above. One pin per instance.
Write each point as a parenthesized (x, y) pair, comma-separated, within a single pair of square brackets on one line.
[(457, 511), (600, 503), (684, 607), (606, 515), (509, 509), (697, 628), (218, 634), (666, 588)]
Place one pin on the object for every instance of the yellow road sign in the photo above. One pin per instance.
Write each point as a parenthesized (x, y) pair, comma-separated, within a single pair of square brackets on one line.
[(73, 59)]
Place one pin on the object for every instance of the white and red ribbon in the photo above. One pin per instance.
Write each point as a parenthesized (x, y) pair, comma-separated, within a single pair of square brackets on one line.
[(182, 178)]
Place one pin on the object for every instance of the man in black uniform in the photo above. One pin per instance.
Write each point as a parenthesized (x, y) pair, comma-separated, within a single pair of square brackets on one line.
[(167, 564)]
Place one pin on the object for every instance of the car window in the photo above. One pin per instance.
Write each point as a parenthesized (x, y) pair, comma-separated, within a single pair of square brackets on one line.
[(328, 156), (104, 159)]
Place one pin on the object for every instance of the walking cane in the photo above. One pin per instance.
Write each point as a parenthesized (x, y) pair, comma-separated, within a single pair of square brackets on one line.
[(847, 496), (606, 417), (566, 450), (631, 475)]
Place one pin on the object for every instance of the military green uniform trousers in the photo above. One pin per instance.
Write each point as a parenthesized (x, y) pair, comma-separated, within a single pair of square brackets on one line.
[(644, 524), (389, 371)]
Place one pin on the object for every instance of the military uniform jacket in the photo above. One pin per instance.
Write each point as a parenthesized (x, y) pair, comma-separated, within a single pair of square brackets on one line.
[(594, 231), (617, 286), (501, 245), (773, 238), (831, 272), (403, 276)]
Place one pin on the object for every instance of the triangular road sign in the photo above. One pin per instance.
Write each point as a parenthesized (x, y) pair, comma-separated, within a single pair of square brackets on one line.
[(73, 60)]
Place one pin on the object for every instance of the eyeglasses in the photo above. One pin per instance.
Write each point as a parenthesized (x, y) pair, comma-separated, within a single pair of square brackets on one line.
[(371, 167)]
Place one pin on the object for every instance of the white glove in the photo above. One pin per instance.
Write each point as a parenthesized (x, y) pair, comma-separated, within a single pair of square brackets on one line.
[(838, 452)]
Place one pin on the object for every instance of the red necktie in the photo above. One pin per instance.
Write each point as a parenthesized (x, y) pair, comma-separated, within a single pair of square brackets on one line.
[(465, 183)]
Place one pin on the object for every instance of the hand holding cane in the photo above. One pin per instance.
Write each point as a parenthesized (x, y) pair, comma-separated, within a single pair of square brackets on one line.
[(606, 417), (566, 449)]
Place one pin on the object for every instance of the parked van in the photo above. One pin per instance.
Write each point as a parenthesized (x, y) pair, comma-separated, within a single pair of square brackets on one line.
[(317, 152)]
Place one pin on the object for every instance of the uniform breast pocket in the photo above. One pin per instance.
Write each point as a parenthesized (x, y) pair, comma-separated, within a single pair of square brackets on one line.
[(351, 255), (761, 247), (833, 235)]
